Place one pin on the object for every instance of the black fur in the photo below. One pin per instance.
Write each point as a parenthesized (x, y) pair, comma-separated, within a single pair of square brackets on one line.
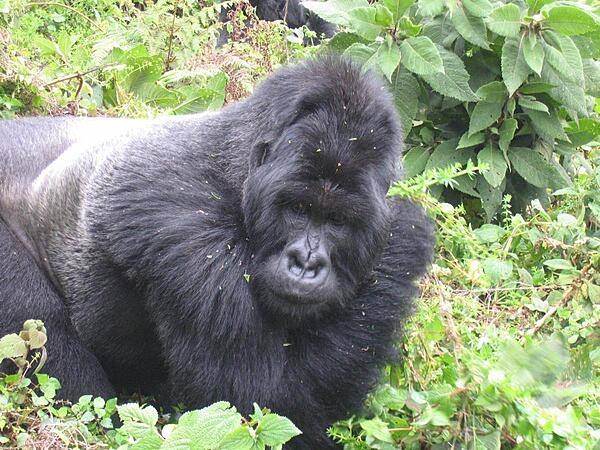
[(174, 244)]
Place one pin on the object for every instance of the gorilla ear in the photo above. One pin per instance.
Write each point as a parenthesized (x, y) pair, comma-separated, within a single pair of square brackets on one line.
[(259, 154)]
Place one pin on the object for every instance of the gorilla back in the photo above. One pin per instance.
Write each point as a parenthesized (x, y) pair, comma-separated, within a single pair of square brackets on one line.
[(248, 255)]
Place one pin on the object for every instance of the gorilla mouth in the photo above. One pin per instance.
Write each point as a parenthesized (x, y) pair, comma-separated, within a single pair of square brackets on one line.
[(298, 292)]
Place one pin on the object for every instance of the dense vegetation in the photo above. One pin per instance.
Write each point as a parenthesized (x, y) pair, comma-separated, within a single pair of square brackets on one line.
[(500, 106)]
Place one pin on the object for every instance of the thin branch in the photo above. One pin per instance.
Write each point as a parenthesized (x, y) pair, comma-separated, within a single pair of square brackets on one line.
[(78, 75)]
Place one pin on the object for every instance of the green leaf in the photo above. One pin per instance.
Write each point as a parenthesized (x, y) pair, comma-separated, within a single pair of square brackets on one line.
[(238, 439), (533, 53), (397, 7), (454, 81), (514, 68), (484, 114), (4, 9), (491, 198), (359, 52), (341, 41), (406, 96), (535, 168), (546, 125), (470, 27), (204, 428), (274, 429), (364, 22), (507, 132), (558, 264), (584, 131), (591, 74), (477, 8), (505, 20), (536, 5), (12, 346), (134, 412), (388, 56), (415, 160), (334, 11), (567, 93), (446, 154), (536, 87), (497, 166), (527, 101), (563, 55), (493, 92), (421, 56), (497, 269), (430, 8), (571, 20), (489, 233), (467, 140), (378, 429)]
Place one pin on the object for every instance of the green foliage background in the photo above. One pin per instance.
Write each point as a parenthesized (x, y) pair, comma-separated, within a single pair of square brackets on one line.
[(500, 110)]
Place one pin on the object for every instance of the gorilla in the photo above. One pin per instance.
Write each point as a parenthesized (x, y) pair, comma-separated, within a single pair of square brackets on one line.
[(248, 255)]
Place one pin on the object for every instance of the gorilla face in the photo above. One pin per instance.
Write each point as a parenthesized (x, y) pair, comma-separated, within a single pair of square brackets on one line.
[(315, 208)]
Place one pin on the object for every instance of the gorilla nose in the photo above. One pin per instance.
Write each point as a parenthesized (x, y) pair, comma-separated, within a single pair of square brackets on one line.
[(306, 266)]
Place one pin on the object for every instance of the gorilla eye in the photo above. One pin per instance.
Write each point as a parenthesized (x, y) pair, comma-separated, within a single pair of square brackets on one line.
[(299, 208)]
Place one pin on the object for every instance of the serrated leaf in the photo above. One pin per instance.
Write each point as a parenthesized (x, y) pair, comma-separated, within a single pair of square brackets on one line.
[(546, 125), (415, 160), (497, 166), (334, 11), (535, 168), (527, 101), (454, 81), (514, 68), (421, 56), (507, 132), (446, 154), (492, 92), (484, 114), (467, 140), (134, 412), (378, 429), (388, 56), (12, 346), (238, 439), (583, 132), (274, 429), (477, 8), (341, 41), (397, 7), (533, 52), (359, 52), (558, 264), (430, 8), (363, 21), (505, 20), (536, 87), (563, 55), (591, 75), (406, 96), (470, 27), (571, 20), (566, 92)]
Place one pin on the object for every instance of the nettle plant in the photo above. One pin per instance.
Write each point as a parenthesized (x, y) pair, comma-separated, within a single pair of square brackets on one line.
[(510, 86)]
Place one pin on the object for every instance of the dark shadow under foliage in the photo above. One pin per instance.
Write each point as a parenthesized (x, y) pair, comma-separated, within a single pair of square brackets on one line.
[(248, 255)]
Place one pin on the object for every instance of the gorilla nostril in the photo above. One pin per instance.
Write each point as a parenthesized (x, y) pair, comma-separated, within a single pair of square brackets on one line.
[(295, 266)]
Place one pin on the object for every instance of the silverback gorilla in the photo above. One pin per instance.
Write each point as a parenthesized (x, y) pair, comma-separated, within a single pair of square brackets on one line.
[(247, 255)]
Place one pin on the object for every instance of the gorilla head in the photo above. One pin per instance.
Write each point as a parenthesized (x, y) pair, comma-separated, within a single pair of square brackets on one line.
[(314, 200)]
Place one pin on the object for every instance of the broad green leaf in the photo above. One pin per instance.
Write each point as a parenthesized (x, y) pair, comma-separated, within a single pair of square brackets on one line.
[(588, 45), (378, 429), (505, 20), (470, 27), (584, 131), (493, 92), (591, 75), (421, 56), (454, 81), (571, 20), (334, 11), (497, 166), (406, 96), (415, 161), (364, 22), (12, 346), (274, 429), (238, 439), (558, 264), (563, 55), (407, 27), (359, 52), (536, 87), (507, 132), (535, 168), (536, 5), (566, 92), (533, 53), (467, 140), (341, 41), (430, 8), (204, 428), (489, 233), (491, 198), (446, 154), (132, 411), (484, 114), (440, 31), (497, 269), (546, 125), (477, 8), (397, 7), (388, 56), (514, 68), (528, 101), (466, 184)]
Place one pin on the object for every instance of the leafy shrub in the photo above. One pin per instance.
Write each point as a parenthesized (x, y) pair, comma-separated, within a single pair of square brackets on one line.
[(31, 417), (508, 85)]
